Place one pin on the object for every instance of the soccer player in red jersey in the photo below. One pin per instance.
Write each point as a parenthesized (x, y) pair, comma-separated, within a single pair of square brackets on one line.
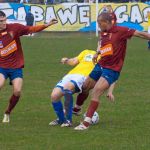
[(11, 57), (82, 97), (113, 43)]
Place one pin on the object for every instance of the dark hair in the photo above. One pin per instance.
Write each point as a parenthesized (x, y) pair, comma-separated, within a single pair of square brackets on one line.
[(2, 14), (105, 16)]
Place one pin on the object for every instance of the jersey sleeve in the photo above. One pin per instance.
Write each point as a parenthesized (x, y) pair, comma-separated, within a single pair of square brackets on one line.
[(21, 29), (126, 33)]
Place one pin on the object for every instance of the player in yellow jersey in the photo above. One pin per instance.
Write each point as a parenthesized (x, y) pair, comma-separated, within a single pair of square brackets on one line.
[(71, 83), (148, 17)]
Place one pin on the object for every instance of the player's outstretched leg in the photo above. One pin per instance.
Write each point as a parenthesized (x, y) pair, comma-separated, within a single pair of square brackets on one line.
[(98, 90), (87, 121), (79, 102), (87, 86)]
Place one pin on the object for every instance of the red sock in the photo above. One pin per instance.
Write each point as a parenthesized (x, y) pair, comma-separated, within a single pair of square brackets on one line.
[(81, 98), (12, 103), (91, 109)]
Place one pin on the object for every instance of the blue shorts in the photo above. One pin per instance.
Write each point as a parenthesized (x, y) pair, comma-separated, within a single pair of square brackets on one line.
[(110, 75), (12, 73)]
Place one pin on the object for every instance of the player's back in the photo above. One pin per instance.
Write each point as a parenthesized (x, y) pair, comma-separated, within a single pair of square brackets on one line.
[(85, 65)]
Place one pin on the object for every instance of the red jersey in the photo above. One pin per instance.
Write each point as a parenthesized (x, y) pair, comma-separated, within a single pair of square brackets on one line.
[(113, 47), (11, 54)]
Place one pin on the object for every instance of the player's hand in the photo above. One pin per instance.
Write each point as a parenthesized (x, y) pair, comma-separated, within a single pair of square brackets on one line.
[(95, 58), (52, 21), (64, 60), (111, 97)]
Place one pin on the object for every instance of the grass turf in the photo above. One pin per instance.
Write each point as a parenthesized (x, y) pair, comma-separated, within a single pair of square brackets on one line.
[(124, 124)]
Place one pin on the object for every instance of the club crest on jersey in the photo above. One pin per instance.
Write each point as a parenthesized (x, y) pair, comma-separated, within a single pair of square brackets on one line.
[(1, 44), (88, 57)]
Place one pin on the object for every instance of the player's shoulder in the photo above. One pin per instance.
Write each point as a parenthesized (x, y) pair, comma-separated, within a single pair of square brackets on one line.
[(10, 25), (126, 29), (119, 27), (122, 28), (15, 25), (89, 51)]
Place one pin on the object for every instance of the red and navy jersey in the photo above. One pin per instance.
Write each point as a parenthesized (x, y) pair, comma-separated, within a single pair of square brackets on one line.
[(11, 54), (113, 47)]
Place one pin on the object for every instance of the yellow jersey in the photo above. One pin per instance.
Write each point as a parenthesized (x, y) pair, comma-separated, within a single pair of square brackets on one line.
[(85, 65)]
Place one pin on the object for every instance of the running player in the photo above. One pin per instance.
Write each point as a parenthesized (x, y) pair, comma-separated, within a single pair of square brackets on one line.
[(11, 57)]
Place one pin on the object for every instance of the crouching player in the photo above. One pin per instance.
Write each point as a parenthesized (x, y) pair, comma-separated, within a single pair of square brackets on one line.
[(70, 84)]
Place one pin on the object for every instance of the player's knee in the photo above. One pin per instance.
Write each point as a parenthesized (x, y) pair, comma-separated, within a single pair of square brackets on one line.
[(85, 90), (96, 93), (17, 92), (54, 97), (56, 94)]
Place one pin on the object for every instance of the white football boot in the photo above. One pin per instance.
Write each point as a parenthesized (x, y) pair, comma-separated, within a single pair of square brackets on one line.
[(67, 124), (81, 127), (6, 118)]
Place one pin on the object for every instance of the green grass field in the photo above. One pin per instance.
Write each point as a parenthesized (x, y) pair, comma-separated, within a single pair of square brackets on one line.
[(124, 124)]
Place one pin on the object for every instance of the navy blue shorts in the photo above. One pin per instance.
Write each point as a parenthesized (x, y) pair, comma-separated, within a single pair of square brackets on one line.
[(12, 73), (110, 75)]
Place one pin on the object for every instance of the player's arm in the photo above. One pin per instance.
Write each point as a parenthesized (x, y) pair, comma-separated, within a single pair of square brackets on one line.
[(143, 35), (96, 55), (110, 95), (70, 61), (38, 28), (98, 46)]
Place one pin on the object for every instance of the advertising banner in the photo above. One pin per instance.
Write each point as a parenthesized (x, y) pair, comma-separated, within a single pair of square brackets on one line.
[(78, 16)]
